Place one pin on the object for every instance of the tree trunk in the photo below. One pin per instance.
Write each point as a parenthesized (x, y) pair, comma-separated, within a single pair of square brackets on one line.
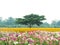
[(30, 25)]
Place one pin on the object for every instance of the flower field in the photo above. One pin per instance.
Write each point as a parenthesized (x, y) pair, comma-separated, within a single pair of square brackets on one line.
[(29, 29), (30, 38)]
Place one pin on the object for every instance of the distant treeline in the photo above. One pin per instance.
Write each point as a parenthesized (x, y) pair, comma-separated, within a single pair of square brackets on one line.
[(10, 22)]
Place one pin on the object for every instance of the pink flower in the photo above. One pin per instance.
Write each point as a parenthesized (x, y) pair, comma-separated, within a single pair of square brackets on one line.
[(30, 33), (13, 38), (24, 38), (11, 35), (58, 38), (30, 41), (3, 38), (40, 37)]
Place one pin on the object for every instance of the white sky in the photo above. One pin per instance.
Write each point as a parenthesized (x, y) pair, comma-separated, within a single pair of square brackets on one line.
[(19, 8)]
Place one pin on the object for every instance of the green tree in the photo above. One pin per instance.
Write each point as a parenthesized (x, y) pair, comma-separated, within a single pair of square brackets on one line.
[(31, 20), (53, 24), (45, 25), (58, 24), (9, 21)]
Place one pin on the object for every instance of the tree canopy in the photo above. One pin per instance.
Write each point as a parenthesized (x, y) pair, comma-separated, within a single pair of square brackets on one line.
[(31, 19)]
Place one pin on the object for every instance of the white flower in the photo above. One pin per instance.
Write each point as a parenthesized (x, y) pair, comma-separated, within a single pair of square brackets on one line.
[(48, 38), (29, 44), (56, 40), (19, 35), (57, 34), (36, 34), (52, 38), (15, 42)]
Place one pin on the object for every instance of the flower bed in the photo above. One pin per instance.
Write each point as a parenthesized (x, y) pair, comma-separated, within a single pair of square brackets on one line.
[(28, 29), (30, 38)]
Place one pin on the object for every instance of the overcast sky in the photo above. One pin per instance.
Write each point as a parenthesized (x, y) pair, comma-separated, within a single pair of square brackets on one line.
[(19, 8)]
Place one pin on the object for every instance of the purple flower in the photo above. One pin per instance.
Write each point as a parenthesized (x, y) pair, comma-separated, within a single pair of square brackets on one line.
[(30, 40)]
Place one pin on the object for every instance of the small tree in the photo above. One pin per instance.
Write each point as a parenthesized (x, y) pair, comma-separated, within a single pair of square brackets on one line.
[(31, 20), (53, 24)]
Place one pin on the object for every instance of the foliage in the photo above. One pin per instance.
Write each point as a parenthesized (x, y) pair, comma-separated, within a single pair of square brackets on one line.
[(31, 20)]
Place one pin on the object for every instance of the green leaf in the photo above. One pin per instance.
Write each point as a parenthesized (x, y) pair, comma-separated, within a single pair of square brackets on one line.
[(44, 43)]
